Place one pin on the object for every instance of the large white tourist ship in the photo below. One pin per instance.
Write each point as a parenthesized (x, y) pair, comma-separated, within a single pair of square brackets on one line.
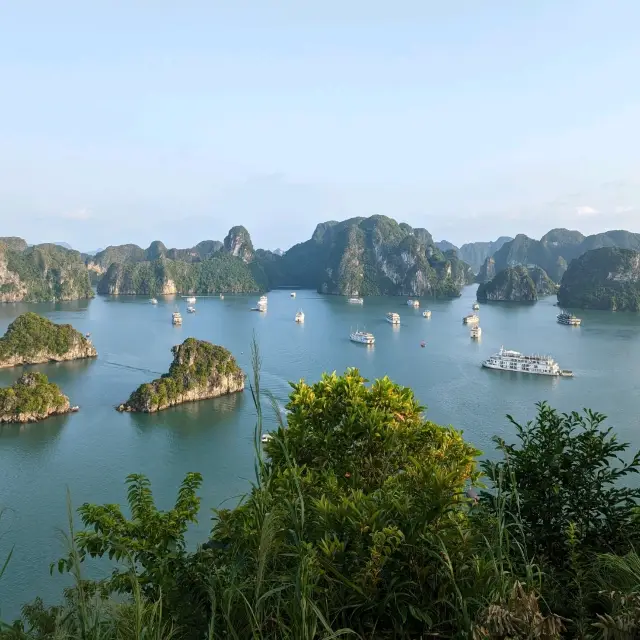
[(363, 337), (506, 360), (393, 318)]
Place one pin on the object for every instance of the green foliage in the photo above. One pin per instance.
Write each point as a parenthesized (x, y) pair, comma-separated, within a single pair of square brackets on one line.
[(118, 254), (14, 243), (31, 393), (50, 272), (196, 364), (567, 471), (30, 334), (607, 278)]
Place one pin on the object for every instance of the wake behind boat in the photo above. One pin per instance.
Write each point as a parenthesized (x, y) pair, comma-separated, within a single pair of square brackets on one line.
[(506, 360)]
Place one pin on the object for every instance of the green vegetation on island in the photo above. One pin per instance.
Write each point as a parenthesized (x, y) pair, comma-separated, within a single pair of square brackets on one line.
[(32, 398), (362, 521), (374, 256), (199, 370), (31, 339), (517, 284), (606, 278), (42, 273)]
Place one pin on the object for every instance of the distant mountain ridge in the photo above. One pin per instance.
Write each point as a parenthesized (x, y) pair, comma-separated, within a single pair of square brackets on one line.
[(554, 251), (474, 253)]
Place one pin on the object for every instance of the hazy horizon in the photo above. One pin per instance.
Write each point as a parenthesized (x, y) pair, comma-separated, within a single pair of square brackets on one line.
[(126, 124)]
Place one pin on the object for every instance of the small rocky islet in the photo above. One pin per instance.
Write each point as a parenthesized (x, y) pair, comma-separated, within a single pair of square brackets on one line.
[(32, 339), (199, 371), (32, 398)]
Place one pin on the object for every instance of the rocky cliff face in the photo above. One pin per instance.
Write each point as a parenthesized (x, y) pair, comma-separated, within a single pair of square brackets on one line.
[(517, 284), (200, 370), (31, 399), (238, 243), (605, 278), (42, 273), (374, 256)]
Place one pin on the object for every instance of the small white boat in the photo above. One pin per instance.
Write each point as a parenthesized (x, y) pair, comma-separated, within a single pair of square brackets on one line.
[(393, 318), (426, 313), (293, 294), (475, 306), (191, 300), (355, 300), (363, 337), (300, 317), (221, 297), (191, 309), (176, 318), (265, 438), (413, 303), (153, 301), (471, 319), (476, 332)]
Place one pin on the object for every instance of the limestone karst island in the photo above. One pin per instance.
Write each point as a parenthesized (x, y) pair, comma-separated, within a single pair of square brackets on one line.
[(32, 339), (200, 370), (32, 398)]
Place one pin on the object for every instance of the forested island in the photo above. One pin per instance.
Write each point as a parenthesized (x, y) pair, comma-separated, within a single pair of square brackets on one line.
[(517, 284), (32, 339), (42, 273), (199, 371), (606, 278), (32, 398)]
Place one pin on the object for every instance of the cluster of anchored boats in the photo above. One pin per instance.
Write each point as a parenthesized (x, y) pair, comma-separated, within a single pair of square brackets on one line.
[(364, 337)]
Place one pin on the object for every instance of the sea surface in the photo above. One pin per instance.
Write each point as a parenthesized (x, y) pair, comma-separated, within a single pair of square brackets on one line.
[(90, 453)]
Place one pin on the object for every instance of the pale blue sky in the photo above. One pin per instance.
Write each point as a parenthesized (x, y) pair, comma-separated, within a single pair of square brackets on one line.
[(129, 121)]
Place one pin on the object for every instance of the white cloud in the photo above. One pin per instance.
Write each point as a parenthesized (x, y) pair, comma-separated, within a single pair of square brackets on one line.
[(76, 214), (585, 210)]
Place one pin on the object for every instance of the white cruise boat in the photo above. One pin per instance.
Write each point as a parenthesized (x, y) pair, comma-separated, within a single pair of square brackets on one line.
[(393, 318), (176, 318), (355, 300), (293, 294), (475, 306), (471, 319), (300, 317), (426, 313), (362, 337), (476, 332), (413, 303), (153, 301), (569, 319), (191, 300), (265, 438), (191, 309), (506, 360), (221, 297)]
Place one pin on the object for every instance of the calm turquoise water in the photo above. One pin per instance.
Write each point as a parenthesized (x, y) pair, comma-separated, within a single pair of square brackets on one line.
[(92, 451)]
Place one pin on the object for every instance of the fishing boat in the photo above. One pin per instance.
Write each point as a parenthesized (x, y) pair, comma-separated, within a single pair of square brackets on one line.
[(423, 344), (191, 309), (355, 300), (300, 317), (476, 332), (426, 313), (153, 301), (191, 300), (471, 319), (363, 337), (393, 318), (176, 318), (475, 306)]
